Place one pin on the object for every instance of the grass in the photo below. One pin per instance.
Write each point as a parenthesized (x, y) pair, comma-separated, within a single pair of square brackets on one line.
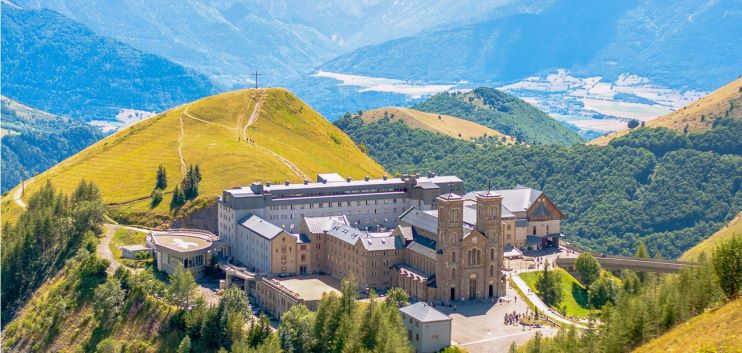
[(124, 164), (574, 294), (733, 228), (717, 330), (446, 125), (715, 104)]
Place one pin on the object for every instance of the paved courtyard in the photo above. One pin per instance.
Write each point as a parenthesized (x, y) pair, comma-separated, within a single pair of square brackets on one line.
[(480, 328)]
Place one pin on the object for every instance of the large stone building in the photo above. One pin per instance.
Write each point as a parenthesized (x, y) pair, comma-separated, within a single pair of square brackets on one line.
[(413, 232)]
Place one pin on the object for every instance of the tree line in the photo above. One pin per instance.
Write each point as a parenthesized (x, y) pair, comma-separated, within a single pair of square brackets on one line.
[(48, 232), (648, 306)]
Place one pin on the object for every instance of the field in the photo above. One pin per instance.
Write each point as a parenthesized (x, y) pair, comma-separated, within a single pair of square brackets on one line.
[(697, 116), (718, 330), (574, 293), (446, 125), (289, 141), (733, 228)]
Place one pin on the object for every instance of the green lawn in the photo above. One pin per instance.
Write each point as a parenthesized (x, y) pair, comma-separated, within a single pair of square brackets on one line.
[(574, 293)]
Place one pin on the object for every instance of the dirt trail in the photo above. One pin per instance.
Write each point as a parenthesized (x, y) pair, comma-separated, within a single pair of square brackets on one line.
[(180, 146), (251, 120), (18, 195)]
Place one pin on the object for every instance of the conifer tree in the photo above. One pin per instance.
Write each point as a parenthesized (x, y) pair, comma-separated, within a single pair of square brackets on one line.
[(185, 345), (161, 178), (548, 286)]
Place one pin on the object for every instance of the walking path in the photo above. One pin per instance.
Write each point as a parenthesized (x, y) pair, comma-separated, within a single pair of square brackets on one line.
[(18, 195), (540, 305), (180, 146), (251, 120)]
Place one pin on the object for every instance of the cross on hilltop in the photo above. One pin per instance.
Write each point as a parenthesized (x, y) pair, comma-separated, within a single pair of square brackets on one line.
[(256, 74)]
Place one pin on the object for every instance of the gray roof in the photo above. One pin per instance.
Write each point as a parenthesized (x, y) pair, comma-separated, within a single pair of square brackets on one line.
[(515, 200), (405, 231), (280, 189), (260, 226), (427, 185), (422, 249), (318, 225), (423, 312), (372, 243), (420, 219), (330, 178)]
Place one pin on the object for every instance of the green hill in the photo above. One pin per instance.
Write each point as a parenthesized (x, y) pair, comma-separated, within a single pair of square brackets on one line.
[(717, 330), (33, 141), (502, 112), (291, 142), (734, 228), (444, 124)]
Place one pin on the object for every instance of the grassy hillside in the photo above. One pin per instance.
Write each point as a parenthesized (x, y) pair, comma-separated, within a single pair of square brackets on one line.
[(734, 228), (502, 112), (291, 141), (697, 116), (718, 330), (441, 123), (574, 294)]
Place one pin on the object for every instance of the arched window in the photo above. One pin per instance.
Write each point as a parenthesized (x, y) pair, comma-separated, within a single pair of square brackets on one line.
[(492, 254), (453, 257), (492, 270), (454, 215), (479, 256), (453, 273), (468, 257)]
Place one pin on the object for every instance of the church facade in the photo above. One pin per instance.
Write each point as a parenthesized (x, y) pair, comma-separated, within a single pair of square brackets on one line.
[(439, 245)]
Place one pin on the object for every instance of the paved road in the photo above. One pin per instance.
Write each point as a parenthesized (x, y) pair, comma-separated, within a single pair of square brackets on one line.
[(545, 309)]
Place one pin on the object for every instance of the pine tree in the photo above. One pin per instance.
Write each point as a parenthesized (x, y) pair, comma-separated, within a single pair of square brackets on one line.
[(185, 345), (161, 178), (178, 198), (548, 286)]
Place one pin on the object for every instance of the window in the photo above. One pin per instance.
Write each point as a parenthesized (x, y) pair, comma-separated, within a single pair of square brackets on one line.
[(492, 253), (534, 230), (492, 270), (453, 257), (453, 273), (454, 215)]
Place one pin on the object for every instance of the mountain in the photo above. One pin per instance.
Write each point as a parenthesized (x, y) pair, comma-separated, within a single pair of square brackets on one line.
[(443, 124), (698, 116), (502, 112), (686, 44), (229, 40), (33, 141), (719, 328), (55, 64), (291, 142), (732, 229)]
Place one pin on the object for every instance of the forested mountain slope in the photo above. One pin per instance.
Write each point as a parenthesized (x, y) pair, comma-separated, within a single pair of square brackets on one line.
[(235, 138), (33, 141), (670, 194), (502, 112), (55, 64)]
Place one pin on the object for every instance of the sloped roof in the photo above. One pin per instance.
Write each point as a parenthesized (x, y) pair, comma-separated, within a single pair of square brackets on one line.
[(515, 200), (423, 312), (318, 225), (260, 226), (371, 243), (422, 249), (420, 219)]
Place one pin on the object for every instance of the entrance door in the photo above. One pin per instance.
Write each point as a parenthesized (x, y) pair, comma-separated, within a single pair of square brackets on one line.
[(453, 294), (492, 291), (472, 288), (302, 270)]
